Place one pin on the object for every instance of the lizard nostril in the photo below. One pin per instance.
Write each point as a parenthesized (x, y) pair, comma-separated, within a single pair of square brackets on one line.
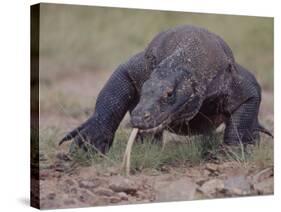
[(146, 115)]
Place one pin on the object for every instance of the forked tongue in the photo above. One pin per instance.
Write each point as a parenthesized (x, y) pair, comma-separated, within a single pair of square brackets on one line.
[(127, 155)]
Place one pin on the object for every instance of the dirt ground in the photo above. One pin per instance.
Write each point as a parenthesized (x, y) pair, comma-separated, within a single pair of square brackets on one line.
[(87, 186), (63, 183)]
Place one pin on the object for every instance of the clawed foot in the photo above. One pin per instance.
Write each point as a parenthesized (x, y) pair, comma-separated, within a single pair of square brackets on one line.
[(89, 138)]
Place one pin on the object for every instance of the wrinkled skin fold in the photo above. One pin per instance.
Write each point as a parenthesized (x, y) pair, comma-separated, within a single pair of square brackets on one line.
[(185, 81)]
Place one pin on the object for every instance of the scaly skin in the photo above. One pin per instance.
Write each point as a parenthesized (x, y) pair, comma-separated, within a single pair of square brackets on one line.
[(186, 81)]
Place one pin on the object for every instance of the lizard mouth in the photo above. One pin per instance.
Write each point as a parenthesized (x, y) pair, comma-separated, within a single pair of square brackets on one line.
[(156, 128), (153, 129), (164, 123)]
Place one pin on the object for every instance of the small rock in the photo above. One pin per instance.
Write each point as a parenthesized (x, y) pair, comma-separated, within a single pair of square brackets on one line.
[(123, 195), (73, 190), (123, 185), (212, 186), (237, 186), (104, 192), (179, 190), (86, 196), (193, 173), (166, 169), (88, 184), (201, 180), (206, 172), (227, 165), (211, 167), (265, 187), (69, 182), (237, 192), (115, 199)]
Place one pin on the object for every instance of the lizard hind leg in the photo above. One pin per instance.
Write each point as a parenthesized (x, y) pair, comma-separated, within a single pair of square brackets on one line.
[(241, 125)]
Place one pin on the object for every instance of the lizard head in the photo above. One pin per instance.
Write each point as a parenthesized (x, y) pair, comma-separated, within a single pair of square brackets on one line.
[(168, 95)]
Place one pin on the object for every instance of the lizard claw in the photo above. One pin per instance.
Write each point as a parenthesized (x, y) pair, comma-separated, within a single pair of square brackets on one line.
[(88, 136)]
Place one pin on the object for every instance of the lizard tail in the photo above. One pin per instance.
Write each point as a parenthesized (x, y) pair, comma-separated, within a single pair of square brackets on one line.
[(264, 130)]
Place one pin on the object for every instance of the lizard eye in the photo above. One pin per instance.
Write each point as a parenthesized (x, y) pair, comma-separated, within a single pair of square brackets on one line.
[(170, 94), (170, 97)]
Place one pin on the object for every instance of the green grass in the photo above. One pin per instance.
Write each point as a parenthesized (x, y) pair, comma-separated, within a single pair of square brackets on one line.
[(48, 142), (177, 152), (184, 152), (263, 154)]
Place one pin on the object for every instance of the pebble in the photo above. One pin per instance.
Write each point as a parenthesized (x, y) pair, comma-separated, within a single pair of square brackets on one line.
[(73, 190), (193, 173), (114, 199), (104, 192), (85, 196), (212, 186), (88, 184), (201, 180), (211, 167), (123, 185), (206, 172), (177, 190), (123, 196), (237, 185), (69, 182)]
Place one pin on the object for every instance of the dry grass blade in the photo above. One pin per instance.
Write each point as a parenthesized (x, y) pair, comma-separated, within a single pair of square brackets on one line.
[(127, 154)]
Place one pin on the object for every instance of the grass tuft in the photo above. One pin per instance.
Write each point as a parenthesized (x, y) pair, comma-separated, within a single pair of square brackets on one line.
[(148, 155), (178, 151)]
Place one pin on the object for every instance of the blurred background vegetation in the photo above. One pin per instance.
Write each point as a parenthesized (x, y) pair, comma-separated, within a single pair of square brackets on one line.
[(87, 38)]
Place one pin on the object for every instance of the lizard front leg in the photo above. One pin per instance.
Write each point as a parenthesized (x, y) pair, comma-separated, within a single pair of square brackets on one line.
[(115, 99)]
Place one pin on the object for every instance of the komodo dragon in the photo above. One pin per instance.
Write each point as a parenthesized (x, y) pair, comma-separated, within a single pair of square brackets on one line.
[(187, 82)]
